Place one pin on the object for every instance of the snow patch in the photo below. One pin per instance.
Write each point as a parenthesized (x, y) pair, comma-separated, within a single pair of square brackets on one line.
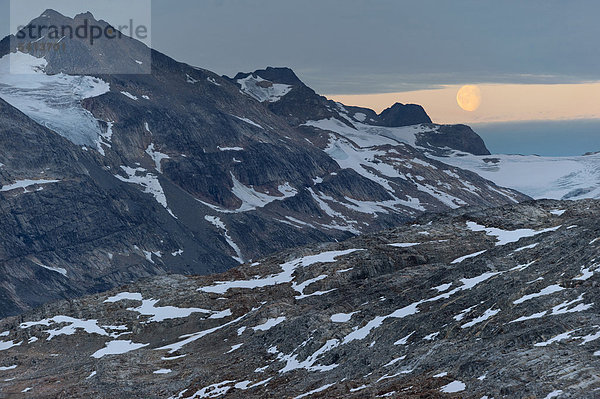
[(404, 244), (486, 315), (218, 223), (558, 338), (341, 317), (148, 182), (263, 90), (285, 276), (270, 323), (58, 270), (129, 95), (24, 184), (117, 347), (163, 371), (459, 260), (4, 345), (252, 199), (160, 313), (317, 390), (454, 386), (71, 327), (554, 394), (248, 121), (546, 291), (156, 156), (504, 237), (230, 148)]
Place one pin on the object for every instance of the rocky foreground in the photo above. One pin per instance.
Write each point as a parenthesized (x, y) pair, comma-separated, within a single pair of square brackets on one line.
[(476, 303)]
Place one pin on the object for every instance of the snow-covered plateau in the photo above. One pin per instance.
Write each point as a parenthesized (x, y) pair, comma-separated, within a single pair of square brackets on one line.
[(572, 178)]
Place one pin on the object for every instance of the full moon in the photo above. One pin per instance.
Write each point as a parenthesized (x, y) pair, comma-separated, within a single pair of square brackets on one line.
[(469, 97)]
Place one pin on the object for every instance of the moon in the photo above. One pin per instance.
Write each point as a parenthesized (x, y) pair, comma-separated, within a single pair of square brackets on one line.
[(469, 97)]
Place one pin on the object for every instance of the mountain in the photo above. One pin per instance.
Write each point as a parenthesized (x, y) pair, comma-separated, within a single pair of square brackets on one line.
[(68, 227), (283, 92), (288, 96), (404, 115), (79, 53), (509, 312), (184, 171)]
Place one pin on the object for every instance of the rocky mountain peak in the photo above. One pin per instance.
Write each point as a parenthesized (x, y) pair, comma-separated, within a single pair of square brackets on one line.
[(51, 15), (285, 94), (404, 115), (282, 75), (85, 15), (80, 45)]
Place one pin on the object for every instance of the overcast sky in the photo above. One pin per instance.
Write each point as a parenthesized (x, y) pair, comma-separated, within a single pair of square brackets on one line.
[(372, 46), (393, 50), (362, 46)]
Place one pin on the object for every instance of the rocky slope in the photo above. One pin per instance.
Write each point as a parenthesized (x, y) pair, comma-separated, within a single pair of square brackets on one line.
[(180, 170), (69, 228), (474, 303)]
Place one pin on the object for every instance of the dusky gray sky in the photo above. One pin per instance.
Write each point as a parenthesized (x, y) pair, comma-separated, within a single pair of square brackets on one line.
[(367, 46), (374, 46), (386, 46)]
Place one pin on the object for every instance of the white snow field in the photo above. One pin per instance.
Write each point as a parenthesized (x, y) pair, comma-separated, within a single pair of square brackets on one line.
[(53, 101), (539, 177)]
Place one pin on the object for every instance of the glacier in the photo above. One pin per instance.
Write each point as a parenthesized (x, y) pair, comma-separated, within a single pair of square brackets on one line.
[(53, 101), (561, 178)]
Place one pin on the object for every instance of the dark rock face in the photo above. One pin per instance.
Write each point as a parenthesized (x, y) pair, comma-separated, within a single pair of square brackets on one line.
[(498, 302), (81, 55), (190, 175), (458, 137), (404, 115), (68, 227), (278, 75)]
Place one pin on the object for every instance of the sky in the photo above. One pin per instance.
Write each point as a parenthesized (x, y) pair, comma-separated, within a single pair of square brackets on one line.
[(534, 61), (500, 102)]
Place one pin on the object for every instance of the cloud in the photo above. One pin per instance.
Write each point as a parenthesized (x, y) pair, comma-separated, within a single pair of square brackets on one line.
[(500, 102), (361, 46)]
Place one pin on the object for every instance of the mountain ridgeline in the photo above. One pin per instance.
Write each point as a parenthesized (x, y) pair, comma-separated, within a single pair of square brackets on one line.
[(185, 171)]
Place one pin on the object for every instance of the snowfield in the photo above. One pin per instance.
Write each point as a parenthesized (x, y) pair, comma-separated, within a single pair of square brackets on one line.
[(53, 101), (374, 152), (569, 178)]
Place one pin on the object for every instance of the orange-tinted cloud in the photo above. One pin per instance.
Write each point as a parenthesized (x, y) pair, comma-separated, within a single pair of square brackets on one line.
[(500, 102)]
